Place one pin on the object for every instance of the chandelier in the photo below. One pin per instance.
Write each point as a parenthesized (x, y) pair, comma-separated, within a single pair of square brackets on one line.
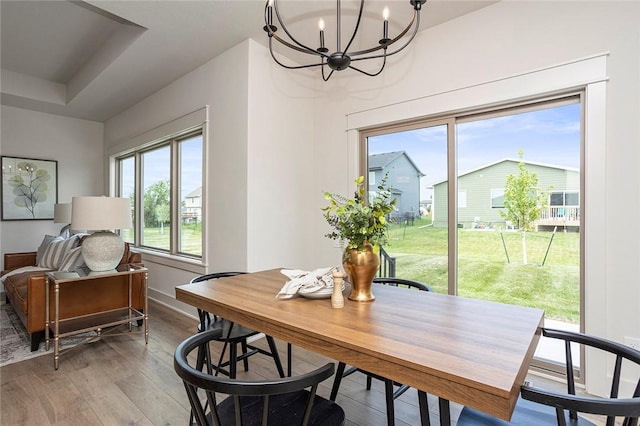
[(342, 58)]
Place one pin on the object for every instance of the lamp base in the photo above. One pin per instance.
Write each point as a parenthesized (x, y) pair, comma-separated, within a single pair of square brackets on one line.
[(102, 251)]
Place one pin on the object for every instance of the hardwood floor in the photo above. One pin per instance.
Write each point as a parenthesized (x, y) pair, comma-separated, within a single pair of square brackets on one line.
[(121, 381)]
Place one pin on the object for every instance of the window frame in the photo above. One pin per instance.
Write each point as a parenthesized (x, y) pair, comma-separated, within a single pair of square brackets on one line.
[(508, 107), (173, 142)]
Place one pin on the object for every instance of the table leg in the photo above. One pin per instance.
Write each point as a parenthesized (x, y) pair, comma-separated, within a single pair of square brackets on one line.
[(445, 412), (56, 326), (46, 314), (145, 320)]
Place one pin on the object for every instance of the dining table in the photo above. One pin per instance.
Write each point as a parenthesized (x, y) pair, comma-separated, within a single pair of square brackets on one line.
[(469, 351)]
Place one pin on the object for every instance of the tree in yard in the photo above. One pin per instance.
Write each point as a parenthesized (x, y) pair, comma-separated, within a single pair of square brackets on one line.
[(523, 201), (156, 204)]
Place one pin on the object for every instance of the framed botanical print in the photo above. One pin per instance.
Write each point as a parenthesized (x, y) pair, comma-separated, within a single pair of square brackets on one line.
[(29, 188)]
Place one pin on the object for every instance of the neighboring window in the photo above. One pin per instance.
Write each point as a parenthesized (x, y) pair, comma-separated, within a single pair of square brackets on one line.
[(497, 198), (562, 198), (462, 199), (164, 183), (372, 178)]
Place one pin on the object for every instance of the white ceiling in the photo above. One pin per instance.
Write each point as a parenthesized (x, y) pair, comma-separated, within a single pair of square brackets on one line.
[(94, 59)]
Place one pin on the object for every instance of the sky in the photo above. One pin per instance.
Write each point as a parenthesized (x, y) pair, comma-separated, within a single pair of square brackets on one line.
[(157, 163), (549, 136)]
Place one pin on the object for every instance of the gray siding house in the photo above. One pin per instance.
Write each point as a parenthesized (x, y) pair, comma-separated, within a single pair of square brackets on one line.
[(481, 196), (404, 178)]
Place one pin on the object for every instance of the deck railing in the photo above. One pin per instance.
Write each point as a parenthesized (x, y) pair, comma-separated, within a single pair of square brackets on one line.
[(387, 264), (561, 214)]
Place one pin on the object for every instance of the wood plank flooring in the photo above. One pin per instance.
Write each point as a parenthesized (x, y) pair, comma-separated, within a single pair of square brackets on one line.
[(121, 381)]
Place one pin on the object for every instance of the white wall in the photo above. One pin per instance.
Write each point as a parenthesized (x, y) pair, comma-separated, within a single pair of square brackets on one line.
[(77, 146), (274, 147), (280, 167), (253, 188), (492, 44)]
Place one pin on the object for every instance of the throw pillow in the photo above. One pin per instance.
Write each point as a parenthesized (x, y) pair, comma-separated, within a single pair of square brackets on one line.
[(72, 260), (56, 250), (48, 239)]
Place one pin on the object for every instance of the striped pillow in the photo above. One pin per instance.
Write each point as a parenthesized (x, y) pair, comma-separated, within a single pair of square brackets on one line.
[(72, 260), (53, 255)]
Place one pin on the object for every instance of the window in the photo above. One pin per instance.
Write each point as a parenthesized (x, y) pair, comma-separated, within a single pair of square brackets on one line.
[(164, 182), (564, 198), (497, 198)]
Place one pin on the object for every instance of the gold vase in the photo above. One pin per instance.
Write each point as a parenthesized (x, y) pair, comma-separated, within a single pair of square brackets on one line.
[(361, 264)]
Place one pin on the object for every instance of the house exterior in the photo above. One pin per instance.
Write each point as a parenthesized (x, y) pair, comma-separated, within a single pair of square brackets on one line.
[(481, 196), (192, 207), (403, 178)]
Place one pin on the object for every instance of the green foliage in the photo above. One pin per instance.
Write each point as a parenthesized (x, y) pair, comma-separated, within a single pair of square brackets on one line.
[(356, 221), (31, 192), (523, 199), (156, 204)]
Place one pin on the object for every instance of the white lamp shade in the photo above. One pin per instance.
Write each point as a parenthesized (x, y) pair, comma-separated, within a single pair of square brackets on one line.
[(100, 213), (62, 213)]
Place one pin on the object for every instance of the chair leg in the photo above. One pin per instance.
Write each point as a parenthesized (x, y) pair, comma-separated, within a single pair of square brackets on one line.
[(336, 381), (289, 360), (276, 356), (388, 394), (369, 380), (245, 360), (424, 409), (445, 411), (233, 360)]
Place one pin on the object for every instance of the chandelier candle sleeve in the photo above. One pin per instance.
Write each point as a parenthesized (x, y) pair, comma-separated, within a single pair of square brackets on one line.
[(385, 26)]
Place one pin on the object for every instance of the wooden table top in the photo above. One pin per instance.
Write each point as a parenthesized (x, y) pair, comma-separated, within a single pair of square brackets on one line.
[(469, 351)]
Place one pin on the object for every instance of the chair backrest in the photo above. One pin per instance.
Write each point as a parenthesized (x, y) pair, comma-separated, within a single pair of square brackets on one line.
[(204, 316), (612, 407), (393, 281), (243, 394)]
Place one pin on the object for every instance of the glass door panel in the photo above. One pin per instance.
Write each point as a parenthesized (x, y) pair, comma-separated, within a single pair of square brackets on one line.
[(415, 159), (518, 227)]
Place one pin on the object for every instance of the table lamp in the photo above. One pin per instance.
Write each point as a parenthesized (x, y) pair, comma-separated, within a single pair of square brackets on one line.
[(103, 249), (62, 214)]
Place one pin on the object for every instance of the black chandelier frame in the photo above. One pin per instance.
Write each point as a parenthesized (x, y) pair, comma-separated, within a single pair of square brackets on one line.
[(341, 59)]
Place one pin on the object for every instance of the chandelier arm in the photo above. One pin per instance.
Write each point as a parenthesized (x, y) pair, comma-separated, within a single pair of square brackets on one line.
[(307, 49), (355, 30), (327, 77), (398, 37), (290, 67), (297, 48), (385, 54), (384, 62)]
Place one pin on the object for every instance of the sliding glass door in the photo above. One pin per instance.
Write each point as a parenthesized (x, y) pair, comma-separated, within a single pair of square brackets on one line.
[(489, 205)]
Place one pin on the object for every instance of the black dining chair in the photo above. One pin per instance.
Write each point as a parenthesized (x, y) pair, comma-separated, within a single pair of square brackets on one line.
[(232, 335), (540, 407), (390, 393), (284, 401)]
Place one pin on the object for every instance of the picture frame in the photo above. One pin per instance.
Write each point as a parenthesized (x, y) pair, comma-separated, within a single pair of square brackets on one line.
[(29, 188)]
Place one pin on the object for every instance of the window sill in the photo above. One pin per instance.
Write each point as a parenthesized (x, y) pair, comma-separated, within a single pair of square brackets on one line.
[(179, 262)]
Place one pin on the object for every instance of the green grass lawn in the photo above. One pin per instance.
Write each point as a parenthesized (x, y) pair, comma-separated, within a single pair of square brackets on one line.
[(483, 269)]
